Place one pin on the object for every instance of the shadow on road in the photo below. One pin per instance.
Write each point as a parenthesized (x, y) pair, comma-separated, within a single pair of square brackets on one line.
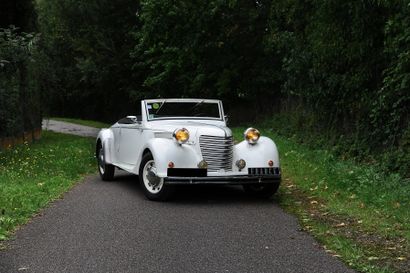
[(197, 194)]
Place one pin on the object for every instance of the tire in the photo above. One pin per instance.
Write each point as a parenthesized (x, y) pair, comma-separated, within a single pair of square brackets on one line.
[(261, 190), (153, 187), (105, 170)]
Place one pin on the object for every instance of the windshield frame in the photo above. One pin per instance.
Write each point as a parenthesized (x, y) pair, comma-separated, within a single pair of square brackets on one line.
[(220, 109)]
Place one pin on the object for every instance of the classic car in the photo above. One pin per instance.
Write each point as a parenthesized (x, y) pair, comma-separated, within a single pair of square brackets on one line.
[(170, 142)]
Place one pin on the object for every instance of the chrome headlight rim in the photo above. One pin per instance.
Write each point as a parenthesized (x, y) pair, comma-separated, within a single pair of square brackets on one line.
[(181, 135), (203, 164), (241, 164), (252, 135)]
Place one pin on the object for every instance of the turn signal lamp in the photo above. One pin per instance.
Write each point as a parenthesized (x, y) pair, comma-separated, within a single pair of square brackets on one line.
[(252, 135), (181, 135)]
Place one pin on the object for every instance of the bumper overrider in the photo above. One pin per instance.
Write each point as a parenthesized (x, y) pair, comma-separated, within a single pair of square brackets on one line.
[(200, 176)]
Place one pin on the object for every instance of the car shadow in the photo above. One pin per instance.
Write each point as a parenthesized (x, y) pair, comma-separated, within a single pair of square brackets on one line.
[(188, 194)]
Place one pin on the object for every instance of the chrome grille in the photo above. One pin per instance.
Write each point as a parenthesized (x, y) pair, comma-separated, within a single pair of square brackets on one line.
[(217, 152)]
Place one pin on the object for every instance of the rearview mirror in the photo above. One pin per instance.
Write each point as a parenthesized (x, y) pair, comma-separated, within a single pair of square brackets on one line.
[(226, 117), (133, 118)]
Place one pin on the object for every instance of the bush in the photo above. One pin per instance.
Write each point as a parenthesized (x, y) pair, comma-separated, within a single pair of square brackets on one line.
[(19, 95)]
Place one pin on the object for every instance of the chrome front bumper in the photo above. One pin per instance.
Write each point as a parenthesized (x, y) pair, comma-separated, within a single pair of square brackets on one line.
[(224, 180)]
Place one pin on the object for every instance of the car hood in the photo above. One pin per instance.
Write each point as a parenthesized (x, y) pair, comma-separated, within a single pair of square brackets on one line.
[(195, 128)]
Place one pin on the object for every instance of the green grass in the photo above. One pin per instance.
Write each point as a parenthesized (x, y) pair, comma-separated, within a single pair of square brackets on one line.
[(364, 210), (91, 123), (353, 255), (33, 175)]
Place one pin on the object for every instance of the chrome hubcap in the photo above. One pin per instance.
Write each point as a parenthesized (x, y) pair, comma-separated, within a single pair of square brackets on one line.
[(152, 182)]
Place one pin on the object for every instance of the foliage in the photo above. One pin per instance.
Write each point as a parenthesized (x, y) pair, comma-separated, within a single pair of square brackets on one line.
[(19, 95), (204, 49), (18, 13), (33, 175), (335, 72), (345, 76), (390, 114), (86, 47)]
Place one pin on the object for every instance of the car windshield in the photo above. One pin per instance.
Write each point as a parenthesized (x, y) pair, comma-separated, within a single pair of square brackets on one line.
[(190, 109)]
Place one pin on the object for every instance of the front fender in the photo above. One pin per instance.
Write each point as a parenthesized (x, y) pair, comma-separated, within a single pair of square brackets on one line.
[(106, 136), (164, 150), (257, 155)]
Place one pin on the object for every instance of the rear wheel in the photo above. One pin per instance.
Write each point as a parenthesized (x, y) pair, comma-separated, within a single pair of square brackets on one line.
[(261, 190), (152, 185), (106, 170)]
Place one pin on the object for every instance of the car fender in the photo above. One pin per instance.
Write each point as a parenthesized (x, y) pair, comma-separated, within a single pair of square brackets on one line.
[(166, 150), (106, 136), (257, 155)]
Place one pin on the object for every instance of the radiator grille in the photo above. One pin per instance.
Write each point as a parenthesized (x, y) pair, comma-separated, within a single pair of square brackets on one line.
[(217, 152)]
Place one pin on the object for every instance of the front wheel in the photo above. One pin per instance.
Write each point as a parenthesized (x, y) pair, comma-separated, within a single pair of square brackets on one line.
[(261, 190), (152, 185), (106, 170)]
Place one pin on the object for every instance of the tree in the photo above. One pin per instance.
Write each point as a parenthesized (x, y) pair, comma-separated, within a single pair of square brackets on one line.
[(86, 45), (205, 49)]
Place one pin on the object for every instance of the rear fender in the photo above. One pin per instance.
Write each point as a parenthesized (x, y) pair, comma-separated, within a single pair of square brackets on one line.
[(106, 137)]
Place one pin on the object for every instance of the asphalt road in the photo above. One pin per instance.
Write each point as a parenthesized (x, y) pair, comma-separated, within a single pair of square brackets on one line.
[(69, 128), (110, 227)]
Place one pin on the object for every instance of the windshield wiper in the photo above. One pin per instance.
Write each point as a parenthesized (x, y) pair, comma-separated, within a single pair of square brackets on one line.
[(196, 105), (162, 104)]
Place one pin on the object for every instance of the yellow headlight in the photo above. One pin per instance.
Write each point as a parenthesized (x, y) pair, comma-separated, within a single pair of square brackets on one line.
[(252, 135), (181, 135)]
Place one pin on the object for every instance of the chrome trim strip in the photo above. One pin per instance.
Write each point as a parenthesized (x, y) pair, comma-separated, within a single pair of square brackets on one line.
[(224, 180)]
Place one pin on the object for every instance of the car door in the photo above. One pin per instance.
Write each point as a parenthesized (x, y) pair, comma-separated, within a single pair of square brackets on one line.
[(130, 142)]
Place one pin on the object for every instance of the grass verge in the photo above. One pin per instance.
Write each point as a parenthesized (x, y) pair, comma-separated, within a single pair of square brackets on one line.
[(357, 212), (33, 175), (91, 123)]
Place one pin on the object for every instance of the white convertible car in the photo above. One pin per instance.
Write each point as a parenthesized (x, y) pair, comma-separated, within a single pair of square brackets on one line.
[(186, 141)]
